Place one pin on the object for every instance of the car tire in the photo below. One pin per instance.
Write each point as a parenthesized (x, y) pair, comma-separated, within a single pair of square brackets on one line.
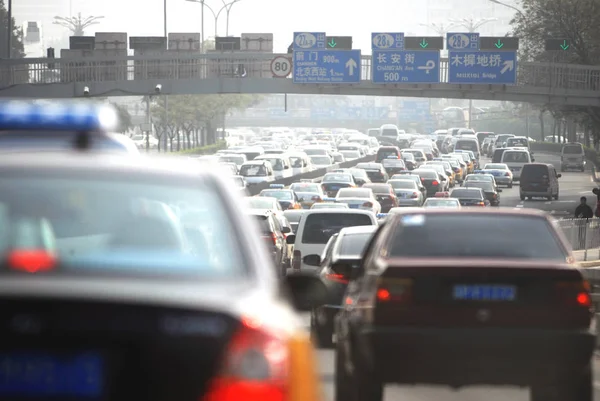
[(366, 385), (580, 389), (322, 336)]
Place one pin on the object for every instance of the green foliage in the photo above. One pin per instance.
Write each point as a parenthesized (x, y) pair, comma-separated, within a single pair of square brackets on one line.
[(17, 51), (204, 150), (551, 147), (125, 122)]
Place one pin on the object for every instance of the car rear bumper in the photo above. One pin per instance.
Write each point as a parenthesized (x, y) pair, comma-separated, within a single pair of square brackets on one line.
[(472, 356)]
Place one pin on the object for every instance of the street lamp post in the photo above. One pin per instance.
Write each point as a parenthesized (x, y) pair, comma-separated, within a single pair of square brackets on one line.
[(77, 25), (226, 7)]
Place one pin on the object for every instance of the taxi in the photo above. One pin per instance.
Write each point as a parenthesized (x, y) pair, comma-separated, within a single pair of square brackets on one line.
[(286, 197), (467, 159), (134, 269), (308, 192)]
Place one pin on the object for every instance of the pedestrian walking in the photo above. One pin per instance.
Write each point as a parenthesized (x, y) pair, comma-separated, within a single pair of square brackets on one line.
[(583, 212)]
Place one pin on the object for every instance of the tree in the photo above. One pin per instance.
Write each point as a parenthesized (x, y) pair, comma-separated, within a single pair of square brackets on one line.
[(17, 50), (125, 123), (78, 24)]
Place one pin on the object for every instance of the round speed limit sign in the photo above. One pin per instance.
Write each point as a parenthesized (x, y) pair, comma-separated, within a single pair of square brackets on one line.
[(281, 67)]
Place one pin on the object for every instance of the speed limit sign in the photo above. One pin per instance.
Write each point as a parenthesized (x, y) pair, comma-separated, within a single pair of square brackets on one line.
[(281, 67)]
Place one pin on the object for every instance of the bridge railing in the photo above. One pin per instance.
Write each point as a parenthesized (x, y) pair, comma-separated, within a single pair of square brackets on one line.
[(242, 65)]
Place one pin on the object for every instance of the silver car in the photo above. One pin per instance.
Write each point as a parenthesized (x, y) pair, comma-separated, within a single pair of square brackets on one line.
[(501, 173), (407, 192)]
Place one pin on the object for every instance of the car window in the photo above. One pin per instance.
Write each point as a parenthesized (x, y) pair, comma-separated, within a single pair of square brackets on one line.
[(258, 202), (279, 195), (572, 149), (466, 145), (428, 174), (465, 193), (337, 178), (534, 172), (354, 193), (485, 185), (515, 157), (319, 227), (320, 160), (253, 170), (403, 184), (120, 225), (494, 166), (263, 223), (378, 189), (353, 245), (433, 202), (305, 187), (520, 237)]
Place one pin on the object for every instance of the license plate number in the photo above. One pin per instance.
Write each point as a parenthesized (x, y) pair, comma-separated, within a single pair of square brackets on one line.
[(37, 375), (401, 195), (484, 292), (353, 206)]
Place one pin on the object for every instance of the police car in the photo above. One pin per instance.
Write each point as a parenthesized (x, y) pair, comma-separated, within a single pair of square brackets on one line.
[(40, 126)]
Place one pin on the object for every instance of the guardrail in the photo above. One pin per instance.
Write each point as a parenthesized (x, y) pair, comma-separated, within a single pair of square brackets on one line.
[(310, 175), (244, 65)]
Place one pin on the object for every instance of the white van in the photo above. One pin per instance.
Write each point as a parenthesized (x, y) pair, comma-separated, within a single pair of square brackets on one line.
[(389, 131), (572, 155), (515, 159), (467, 143), (318, 225)]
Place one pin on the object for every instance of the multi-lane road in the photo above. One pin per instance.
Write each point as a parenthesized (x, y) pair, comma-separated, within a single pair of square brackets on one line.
[(572, 187)]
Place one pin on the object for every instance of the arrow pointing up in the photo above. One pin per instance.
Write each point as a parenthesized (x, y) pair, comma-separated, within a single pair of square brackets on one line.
[(509, 65), (351, 65)]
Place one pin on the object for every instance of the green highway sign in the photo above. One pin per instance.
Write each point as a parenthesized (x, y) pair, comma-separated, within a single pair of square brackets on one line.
[(557, 45), (498, 43), (430, 43), (339, 42)]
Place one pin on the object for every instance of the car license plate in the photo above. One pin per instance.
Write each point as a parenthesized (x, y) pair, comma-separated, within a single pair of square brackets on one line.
[(334, 188), (401, 195), (484, 292), (31, 374), (353, 206)]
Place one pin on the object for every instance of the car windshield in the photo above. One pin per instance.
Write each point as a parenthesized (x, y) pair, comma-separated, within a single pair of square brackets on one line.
[(320, 160), (354, 193), (485, 185), (442, 203), (466, 145), (572, 149), (515, 157), (253, 170), (516, 142), (337, 178), (495, 166), (321, 226), (521, 237), (276, 162), (277, 194), (353, 245), (315, 152), (258, 202), (403, 184), (408, 156), (112, 225), (464, 193)]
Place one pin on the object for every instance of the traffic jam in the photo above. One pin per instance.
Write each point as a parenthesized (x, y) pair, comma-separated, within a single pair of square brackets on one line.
[(129, 276)]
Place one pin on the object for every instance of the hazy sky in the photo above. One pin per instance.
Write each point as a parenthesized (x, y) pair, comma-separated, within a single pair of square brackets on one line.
[(280, 17)]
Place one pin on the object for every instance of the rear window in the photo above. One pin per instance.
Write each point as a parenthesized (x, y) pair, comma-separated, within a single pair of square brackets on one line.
[(279, 195), (263, 223), (354, 193), (385, 153), (379, 189), (515, 157), (389, 132), (337, 178), (321, 160), (319, 227), (466, 145), (466, 194), (516, 142), (520, 237), (572, 149), (427, 174), (107, 225), (353, 245), (485, 185), (403, 184), (534, 172)]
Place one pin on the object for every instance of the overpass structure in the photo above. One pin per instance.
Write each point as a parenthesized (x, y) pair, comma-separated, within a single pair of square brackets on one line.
[(234, 73)]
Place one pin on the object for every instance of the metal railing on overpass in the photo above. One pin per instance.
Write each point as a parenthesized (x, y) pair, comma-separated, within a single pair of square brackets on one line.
[(251, 73)]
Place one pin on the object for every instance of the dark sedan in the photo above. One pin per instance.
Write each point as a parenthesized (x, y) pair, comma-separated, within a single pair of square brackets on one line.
[(492, 194), (385, 195), (470, 196)]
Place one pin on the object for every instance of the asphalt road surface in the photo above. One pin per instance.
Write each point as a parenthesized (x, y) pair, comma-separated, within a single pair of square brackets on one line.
[(573, 185)]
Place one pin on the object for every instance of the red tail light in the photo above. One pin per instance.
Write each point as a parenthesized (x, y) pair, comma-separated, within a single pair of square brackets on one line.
[(338, 278), (507, 174), (480, 204), (396, 291), (414, 195), (31, 260), (367, 204), (574, 293), (271, 239), (255, 367), (316, 198), (297, 263), (434, 183)]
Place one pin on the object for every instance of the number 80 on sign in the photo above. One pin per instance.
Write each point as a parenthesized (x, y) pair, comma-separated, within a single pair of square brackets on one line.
[(281, 67)]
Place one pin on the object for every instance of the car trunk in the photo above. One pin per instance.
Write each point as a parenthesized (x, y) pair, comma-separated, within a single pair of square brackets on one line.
[(332, 188)]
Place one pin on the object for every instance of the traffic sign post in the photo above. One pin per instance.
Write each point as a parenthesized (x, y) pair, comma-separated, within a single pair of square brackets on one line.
[(478, 67), (392, 64), (428, 43), (281, 67), (498, 43), (557, 44), (314, 63)]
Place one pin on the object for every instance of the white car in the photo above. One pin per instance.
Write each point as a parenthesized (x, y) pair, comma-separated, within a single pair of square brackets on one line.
[(441, 203), (359, 198)]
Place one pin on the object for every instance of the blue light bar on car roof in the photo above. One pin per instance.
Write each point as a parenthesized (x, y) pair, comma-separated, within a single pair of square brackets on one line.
[(277, 186), (381, 215), (479, 172), (56, 116), (328, 199)]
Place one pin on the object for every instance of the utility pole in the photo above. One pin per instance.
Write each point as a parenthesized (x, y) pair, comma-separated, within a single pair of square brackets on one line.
[(10, 30)]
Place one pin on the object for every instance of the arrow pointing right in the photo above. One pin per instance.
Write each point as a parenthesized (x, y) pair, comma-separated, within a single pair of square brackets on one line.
[(509, 65)]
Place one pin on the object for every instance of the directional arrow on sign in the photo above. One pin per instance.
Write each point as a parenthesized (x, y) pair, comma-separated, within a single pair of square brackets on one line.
[(509, 65), (423, 44), (351, 65), (332, 43), (564, 46), (499, 44)]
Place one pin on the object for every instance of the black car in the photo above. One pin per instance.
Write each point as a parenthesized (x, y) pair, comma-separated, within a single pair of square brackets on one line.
[(342, 248), (430, 179), (470, 196), (375, 171), (385, 195), (491, 192), (333, 182), (359, 175)]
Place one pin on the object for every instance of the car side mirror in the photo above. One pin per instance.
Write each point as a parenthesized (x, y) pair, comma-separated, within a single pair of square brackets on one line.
[(306, 290), (312, 260), (349, 269), (558, 175), (290, 239), (286, 230)]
